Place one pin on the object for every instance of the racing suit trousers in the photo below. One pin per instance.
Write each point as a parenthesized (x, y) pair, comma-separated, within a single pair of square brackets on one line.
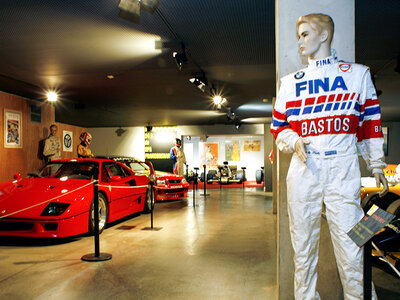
[(334, 181)]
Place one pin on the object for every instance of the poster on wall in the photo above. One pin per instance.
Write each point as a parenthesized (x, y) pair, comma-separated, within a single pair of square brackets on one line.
[(67, 141), (210, 155), (252, 145), (232, 151), (12, 129)]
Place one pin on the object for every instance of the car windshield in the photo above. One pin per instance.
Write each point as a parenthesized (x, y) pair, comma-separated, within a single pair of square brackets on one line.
[(137, 166), (72, 169)]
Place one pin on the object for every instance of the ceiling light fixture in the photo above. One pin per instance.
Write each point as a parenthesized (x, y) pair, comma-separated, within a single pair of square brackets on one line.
[(200, 82), (180, 59), (52, 96)]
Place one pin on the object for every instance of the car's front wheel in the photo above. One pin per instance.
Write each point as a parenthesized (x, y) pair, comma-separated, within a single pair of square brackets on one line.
[(149, 201), (103, 212)]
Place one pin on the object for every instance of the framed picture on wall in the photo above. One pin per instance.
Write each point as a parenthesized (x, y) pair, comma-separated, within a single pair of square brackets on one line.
[(12, 129)]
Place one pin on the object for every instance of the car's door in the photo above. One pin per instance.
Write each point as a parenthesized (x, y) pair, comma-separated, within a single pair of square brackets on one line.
[(122, 187)]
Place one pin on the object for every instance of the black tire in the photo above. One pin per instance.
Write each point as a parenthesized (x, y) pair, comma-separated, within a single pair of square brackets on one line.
[(148, 201), (382, 203), (211, 174), (239, 176), (103, 214), (201, 178), (259, 176), (394, 208)]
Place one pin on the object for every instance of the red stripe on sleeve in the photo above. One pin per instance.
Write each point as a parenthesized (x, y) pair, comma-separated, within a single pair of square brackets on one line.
[(370, 102), (279, 116)]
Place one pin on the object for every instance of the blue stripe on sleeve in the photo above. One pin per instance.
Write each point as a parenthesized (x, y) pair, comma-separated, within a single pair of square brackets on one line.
[(372, 111)]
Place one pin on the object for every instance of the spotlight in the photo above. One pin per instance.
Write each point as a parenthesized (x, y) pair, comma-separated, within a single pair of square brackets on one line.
[(218, 100), (237, 125), (180, 58), (52, 96), (200, 82)]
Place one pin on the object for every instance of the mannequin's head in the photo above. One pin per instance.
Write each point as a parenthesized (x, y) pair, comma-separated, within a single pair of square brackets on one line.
[(315, 33), (178, 143)]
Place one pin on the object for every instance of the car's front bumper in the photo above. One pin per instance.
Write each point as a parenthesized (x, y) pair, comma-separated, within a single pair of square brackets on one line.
[(45, 228)]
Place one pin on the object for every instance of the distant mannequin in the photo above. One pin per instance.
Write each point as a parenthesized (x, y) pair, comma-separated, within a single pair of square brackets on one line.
[(177, 155), (52, 145), (83, 147), (323, 113)]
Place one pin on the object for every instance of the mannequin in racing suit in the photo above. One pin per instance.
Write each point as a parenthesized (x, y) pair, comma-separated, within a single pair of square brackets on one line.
[(321, 114), (83, 147), (177, 155)]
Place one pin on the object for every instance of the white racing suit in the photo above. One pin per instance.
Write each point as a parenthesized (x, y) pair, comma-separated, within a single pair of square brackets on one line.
[(178, 156), (334, 106)]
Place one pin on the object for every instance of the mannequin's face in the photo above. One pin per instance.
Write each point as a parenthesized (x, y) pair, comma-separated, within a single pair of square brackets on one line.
[(309, 40)]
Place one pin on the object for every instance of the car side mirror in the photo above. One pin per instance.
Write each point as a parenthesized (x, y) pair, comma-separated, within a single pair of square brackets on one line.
[(17, 176), (114, 178)]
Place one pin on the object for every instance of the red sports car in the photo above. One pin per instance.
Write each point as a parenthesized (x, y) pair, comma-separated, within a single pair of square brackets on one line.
[(57, 201), (167, 186)]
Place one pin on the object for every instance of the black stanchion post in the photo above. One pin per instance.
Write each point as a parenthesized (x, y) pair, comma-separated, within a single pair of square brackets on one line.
[(152, 201), (367, 271), (244, 176), (220, 176), (96, 256), (196, 177), (205, 182), (152, 209)]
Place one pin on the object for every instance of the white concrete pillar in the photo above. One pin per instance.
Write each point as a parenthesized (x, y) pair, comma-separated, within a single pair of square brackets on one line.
[(288, 60)]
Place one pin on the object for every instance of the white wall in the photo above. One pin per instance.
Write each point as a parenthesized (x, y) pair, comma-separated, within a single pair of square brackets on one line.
[(106, 142), (253, 160)]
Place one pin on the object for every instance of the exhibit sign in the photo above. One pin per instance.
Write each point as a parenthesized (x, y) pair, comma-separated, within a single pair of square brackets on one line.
[(67, 141), (12, 129), (374, 220)]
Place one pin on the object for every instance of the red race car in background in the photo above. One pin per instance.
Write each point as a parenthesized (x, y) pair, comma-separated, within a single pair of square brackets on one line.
[(167, 186), (57, 201)]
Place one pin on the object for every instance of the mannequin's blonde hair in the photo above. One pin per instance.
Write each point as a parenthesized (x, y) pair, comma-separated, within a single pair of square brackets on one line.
[(318, 22)]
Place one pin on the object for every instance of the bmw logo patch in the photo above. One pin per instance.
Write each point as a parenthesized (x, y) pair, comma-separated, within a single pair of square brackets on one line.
[(299, 75)]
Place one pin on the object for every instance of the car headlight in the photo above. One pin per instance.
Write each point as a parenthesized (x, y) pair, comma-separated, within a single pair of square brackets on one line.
[(54, 209), (184, 180), (160, 182)]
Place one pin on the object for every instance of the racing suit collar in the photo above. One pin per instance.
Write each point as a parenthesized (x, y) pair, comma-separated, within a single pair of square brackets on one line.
[(319, 63)]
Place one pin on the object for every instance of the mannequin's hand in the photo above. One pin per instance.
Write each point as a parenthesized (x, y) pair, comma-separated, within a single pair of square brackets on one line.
[(381, 179), (300, 148)]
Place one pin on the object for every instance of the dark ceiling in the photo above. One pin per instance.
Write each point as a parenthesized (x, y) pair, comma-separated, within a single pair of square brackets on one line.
[(73, 45)]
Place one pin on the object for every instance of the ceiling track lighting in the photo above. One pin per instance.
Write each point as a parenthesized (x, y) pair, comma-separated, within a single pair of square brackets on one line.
[(130, 9), (180, 58), (200, 82)]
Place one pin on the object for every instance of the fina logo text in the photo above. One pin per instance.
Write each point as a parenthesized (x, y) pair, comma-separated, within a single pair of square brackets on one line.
[(314, 86)]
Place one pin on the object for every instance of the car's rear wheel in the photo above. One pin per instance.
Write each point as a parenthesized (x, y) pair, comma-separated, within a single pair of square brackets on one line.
[(103, 212), (394, 208), (148, 201)]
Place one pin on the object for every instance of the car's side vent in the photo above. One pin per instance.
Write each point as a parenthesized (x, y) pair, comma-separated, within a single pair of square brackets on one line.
[(132, 182), (139, 199)]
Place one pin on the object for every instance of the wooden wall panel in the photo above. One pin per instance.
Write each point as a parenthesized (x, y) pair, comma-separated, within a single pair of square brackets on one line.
[(27, 158)]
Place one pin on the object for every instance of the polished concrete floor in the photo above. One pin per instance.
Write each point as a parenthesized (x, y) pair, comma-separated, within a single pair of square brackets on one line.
[(223, 247)]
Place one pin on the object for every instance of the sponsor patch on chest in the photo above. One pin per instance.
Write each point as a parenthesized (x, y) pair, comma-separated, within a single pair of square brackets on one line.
[(346, 68)]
